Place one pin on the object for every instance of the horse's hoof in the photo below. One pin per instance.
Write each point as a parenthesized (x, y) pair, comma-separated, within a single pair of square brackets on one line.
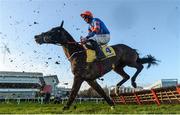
[(75, 107), (134, 84), (112, 107), (65, 108)]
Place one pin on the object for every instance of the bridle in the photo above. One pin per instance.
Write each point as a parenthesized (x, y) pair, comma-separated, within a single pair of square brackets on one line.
[(44, 40), (63, 43)]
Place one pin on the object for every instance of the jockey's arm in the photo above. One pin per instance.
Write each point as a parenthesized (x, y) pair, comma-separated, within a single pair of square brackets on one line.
[(90, 34), (94, 30)]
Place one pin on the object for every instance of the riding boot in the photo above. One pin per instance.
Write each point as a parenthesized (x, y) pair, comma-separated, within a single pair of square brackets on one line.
[(99, 52)]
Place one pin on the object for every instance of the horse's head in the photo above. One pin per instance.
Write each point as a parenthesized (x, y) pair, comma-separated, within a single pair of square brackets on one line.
[(53, 36)]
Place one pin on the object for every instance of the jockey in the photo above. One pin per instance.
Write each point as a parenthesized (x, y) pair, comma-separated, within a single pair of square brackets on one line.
[(98, 34)]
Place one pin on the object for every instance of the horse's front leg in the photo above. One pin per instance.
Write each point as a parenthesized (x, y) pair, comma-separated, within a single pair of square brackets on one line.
[(75, 88)]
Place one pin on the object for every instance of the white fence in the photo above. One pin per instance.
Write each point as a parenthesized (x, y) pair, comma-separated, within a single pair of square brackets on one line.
[(41, 100)]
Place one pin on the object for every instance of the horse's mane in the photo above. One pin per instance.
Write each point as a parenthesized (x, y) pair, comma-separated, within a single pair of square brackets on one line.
[(71, 39)]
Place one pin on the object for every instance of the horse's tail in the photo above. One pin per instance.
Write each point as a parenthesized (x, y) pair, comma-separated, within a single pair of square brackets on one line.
[(148, 59)]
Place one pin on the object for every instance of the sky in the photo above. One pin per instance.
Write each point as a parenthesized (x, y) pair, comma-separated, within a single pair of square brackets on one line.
[(150, 26)]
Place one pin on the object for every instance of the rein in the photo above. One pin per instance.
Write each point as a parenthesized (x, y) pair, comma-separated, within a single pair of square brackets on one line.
[(69, 58), (56, 42), (60, 44)]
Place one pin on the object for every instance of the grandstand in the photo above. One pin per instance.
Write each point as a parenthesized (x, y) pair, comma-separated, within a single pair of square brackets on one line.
[(163, 83), (23, 85), (26, 85)]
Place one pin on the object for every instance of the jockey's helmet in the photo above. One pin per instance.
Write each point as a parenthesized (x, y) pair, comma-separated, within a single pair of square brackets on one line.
[(87, 14)]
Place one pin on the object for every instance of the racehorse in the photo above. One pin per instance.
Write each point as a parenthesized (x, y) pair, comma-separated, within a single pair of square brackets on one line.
[(89, 72)]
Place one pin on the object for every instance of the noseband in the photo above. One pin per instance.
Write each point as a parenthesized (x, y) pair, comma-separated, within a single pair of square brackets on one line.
[(46, 41)]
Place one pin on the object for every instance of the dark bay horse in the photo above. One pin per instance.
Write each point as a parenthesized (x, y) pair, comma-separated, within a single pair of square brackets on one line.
[(89, 72)]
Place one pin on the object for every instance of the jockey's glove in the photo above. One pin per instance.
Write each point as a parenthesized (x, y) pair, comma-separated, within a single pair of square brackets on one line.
[(84, 40)]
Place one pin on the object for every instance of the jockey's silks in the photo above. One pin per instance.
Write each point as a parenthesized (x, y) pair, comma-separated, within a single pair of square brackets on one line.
[(97, 27)]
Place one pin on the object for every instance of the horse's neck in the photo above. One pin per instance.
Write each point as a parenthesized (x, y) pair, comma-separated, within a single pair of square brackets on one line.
[(69, 49)]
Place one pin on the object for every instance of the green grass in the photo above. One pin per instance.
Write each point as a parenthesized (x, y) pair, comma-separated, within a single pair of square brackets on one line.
[(86, 108)]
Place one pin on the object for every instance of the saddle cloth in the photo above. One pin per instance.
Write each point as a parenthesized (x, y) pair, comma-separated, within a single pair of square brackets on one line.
[(107, 50)]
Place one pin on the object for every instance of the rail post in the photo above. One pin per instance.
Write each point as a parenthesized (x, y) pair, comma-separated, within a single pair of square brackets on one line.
[(178, 89), (123, 100), (18, 101), (112, 98), (155, 97), (137, 99)]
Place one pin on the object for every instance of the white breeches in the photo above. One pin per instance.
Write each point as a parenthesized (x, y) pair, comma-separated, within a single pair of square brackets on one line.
[(101, 39)]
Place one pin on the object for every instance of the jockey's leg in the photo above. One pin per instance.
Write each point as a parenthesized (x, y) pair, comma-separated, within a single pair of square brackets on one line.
[(102, 38), (97, 48)]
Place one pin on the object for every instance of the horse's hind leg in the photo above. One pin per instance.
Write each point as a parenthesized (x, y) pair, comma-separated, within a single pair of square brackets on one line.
[(100, 91), (139, 68), (119, 70)]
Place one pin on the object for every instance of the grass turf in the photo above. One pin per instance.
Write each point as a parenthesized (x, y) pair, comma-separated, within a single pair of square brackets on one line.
[(86, 108)]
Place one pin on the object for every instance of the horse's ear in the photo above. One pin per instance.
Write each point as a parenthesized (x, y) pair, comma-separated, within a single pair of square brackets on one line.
[(62, 24)]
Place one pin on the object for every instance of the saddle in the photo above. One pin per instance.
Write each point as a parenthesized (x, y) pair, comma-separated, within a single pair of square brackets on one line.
[(107, 50)]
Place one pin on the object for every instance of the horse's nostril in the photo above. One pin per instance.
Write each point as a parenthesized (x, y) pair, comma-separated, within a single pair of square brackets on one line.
[(35, 36)]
